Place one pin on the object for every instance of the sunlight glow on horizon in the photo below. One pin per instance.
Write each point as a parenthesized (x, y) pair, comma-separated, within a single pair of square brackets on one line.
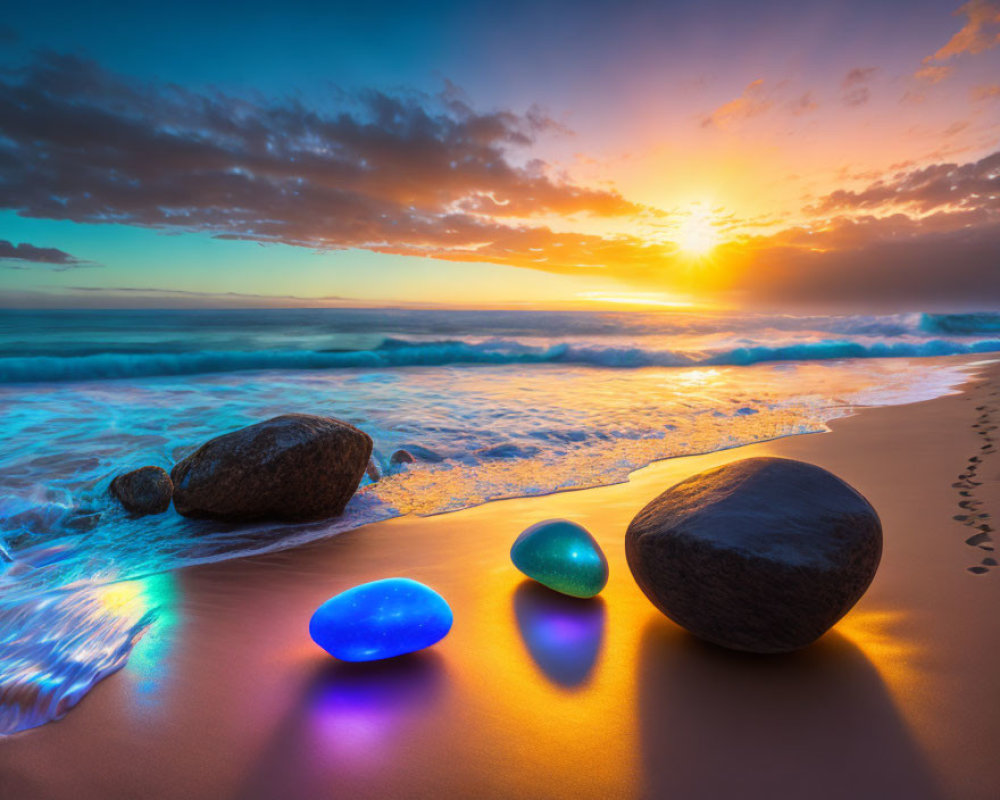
[(638, 299)]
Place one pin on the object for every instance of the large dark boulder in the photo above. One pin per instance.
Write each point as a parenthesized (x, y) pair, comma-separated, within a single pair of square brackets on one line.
[(295, 467), (146, 490), (764, 554)]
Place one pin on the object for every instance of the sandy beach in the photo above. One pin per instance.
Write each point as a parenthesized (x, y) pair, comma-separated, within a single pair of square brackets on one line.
[(537, 695)]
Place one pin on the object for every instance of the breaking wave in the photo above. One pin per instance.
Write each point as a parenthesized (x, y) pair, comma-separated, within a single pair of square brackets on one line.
[(982, 322), (393, 353)]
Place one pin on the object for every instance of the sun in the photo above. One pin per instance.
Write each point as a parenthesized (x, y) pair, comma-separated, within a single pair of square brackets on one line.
[(697, 234)]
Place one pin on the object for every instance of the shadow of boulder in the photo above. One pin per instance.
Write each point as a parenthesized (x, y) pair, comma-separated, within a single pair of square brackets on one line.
[(817, 723)]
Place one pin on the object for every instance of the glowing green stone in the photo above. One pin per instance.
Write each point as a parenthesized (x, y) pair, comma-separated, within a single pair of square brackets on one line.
[(563, 556)]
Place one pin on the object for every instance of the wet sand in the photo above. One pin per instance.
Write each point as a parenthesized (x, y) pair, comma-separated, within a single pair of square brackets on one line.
[(536, 695)]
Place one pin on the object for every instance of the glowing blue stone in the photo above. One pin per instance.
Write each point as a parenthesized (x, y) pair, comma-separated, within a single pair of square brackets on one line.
[(563, 556), (381, 619)]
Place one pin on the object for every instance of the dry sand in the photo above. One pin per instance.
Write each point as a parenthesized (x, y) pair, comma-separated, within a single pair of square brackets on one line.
[(532, 695)]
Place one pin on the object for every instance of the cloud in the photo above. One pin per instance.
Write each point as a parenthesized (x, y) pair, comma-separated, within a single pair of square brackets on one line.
[(933, 74), (151, 297), (858, 76), (148, 290), (131, 296), (854, 87), (409, 174), (980, 32), (870, 263), (803, 104), (946, 186), (857, 96), (754, 101), (981, 93), (921, 238), (758, 98), (22, 256)]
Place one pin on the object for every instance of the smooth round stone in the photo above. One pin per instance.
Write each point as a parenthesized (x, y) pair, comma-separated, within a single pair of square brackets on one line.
[(762, 555), (381, 619), (563, 556)]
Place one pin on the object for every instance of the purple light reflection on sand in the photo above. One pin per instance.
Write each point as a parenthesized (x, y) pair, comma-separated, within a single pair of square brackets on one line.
[(357, 712), (563, 634)]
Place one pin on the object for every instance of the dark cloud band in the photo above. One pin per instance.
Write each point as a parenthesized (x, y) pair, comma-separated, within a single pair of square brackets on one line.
[(21, 256)]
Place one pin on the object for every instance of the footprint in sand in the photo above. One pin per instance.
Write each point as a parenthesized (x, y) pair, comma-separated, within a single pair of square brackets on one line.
[(984, 426)]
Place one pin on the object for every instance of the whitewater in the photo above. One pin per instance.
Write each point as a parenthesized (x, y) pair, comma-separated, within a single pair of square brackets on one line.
[(494, 404)]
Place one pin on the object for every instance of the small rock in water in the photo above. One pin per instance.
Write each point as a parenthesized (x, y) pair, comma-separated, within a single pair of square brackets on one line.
[(146, 490), (381, 619), (373, 471), (563, 556), (415, 452), (401, 457), (293, 467), (762, 555)]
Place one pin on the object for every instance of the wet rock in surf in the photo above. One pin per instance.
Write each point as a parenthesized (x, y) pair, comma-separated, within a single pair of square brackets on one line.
[(295, 467), (413, 453), (401, 457), (373, 471), (146, 490), (563, 556), (762, 555)]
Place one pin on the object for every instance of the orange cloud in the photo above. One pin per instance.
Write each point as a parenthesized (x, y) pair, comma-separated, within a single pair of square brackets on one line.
[(981, 93), (933, 74), (753, 101), (980, 32)]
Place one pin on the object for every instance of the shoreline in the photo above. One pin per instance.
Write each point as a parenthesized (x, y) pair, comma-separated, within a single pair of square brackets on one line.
[(231, 699)]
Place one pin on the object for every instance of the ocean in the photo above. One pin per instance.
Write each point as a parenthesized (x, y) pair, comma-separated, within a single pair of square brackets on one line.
[(495, 404)]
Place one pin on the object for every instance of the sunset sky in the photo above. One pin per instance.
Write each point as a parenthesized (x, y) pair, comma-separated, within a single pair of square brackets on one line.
[(764, 155)]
